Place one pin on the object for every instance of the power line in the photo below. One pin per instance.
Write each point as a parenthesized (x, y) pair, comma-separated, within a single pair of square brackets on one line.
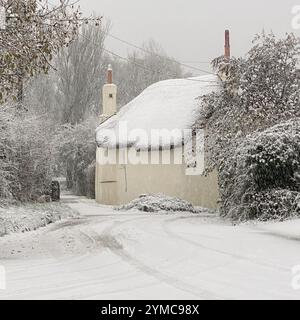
[(148, 70), (182, 63), (147, 51), (126, 59), (143, 67)]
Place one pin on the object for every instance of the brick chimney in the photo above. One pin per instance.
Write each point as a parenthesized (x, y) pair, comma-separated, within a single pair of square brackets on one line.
[(227, 45)]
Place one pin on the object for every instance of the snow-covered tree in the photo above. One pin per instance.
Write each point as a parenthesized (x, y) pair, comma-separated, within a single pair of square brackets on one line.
[(260, 91), (76, 154), (34, 31)]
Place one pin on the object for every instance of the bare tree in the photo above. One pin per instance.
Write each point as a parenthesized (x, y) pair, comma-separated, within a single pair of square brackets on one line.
[(143, 68), (81, 74), (40, 96)]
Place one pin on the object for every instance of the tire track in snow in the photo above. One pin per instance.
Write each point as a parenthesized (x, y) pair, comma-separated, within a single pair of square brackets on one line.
[(230, 254), (114, 246)]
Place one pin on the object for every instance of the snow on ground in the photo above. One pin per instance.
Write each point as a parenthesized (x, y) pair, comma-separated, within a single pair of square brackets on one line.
[(289, 229), (170, 104), (108, 254), (30, 217)]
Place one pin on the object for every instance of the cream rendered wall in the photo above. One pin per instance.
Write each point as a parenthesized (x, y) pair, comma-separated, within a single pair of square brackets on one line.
[(121, 183), (109, 96)]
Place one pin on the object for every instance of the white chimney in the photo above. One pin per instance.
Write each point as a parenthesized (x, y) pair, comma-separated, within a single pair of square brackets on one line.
[(109, 93)]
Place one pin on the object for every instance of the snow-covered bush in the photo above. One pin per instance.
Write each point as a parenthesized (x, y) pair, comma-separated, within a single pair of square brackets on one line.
[(273, 204), (259, 92), (5, 164), (31, 157), (26, 155), (158, 202), (29, 217), (76, 153), (261, 178)]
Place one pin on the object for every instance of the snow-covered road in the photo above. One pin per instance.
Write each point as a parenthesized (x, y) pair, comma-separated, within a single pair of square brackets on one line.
[(106, 254)]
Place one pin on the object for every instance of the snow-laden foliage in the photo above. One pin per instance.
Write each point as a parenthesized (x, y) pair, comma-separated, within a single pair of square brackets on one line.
[(31, 158), (34, 31), (261, 178), (30, 217), (259, 91), (159, 202), (76, 155), (6, 166), (274, 204), (26, 163)]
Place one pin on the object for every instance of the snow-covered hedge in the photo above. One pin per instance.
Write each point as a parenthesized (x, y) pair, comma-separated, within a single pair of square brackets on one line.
[(261, 179), (26, 156), (30, 217), (274, 204)]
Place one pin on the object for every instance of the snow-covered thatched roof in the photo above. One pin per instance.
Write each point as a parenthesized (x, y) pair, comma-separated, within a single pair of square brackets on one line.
[(169, 104)]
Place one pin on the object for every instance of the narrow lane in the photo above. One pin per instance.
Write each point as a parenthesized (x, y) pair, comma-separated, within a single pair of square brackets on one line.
[(107, 254)]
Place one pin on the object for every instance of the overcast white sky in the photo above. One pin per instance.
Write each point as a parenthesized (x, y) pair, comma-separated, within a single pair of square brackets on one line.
[(192, 30)]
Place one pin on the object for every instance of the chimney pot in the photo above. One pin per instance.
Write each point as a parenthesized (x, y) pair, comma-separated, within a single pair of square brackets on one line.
[(109, 74)]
